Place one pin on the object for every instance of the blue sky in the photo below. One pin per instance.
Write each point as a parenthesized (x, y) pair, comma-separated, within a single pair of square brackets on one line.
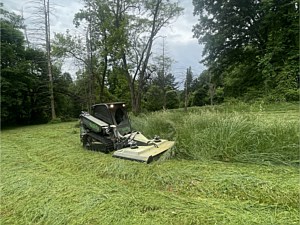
[(179, 42)]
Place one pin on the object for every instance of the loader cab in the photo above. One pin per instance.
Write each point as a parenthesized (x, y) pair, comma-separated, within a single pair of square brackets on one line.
[(114, 114)]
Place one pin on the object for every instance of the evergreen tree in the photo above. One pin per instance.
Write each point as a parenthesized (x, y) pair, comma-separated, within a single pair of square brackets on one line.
[(187, 86)]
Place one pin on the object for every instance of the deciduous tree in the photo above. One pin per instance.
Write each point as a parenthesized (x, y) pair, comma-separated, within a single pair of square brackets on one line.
[(250, 45)]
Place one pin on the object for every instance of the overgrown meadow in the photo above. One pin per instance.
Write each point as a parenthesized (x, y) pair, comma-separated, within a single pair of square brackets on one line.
[(256, 133), (232, 164)]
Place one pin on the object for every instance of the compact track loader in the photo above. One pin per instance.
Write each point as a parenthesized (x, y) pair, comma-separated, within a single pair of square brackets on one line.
[(108, 129)]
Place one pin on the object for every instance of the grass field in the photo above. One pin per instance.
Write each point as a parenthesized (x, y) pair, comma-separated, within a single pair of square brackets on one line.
[(230, 165)]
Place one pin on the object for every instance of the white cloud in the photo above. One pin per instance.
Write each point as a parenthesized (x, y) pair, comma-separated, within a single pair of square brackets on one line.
[(181, 45)]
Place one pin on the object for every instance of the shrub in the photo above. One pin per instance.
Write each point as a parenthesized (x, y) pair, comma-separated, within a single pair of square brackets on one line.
[(292, 95)]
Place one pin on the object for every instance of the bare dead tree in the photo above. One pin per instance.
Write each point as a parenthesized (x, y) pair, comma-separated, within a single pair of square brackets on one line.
[(187, 86), (25, 29), (48, 50), (39, 31)]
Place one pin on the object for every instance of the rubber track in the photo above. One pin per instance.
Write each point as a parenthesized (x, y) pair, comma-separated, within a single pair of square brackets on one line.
[(108, 144)]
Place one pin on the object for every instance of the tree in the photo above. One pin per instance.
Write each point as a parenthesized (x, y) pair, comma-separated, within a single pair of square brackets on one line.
[(117, 87), (67, 101), (12, 56), (67, 46), (187, 86), (93, 51), (99, 18), (244, 41), (48, 51), (282, 39), (139, 37), (163, 79), (200, 88), (23, 76), (40, 31), (154, 100), (126, 30), (25, 80), (172, 99)]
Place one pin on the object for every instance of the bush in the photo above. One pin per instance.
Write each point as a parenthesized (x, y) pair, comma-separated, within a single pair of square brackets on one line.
[(292, 95)]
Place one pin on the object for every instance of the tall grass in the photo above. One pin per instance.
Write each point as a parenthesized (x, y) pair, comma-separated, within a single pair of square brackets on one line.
[(48, 178), (212, 133)]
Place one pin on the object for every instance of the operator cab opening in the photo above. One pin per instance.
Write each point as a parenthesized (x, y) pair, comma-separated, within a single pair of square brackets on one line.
[(113, 114), (119, 116)]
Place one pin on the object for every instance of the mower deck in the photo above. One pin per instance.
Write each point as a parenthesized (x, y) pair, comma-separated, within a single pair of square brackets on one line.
[(144, 153)]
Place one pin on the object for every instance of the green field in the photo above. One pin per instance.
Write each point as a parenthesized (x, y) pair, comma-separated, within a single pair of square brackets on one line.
[(234, 164)]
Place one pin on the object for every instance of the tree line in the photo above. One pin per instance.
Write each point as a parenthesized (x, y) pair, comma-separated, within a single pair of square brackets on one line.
[(251, 53), (25, 92), (251, 48)]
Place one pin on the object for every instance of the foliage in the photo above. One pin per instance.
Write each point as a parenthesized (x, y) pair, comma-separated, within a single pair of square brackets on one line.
[(120, 36), (172, 99), (244, 44), (154, 99), (251, 53), (187, 87), (67, 102), (188, 80), (162, 91), (118, 87), (23, 83), (162, 77), (24, 80)]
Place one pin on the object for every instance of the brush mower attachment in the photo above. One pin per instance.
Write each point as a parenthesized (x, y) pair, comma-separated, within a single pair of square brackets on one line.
[(142, 149), (109, 129)]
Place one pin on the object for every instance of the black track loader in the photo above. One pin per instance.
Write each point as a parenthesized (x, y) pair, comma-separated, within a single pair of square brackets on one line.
[(108, 129)]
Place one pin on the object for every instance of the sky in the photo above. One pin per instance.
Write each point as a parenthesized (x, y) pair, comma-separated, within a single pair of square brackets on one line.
[(179, 42)]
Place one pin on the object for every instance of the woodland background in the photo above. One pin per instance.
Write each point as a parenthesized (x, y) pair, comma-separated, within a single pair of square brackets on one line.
[(251, 54)]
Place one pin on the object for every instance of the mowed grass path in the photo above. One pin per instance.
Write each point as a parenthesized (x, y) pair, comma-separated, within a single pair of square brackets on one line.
[(47, 178)]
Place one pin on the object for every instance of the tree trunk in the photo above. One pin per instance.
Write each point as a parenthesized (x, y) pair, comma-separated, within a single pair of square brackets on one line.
[(211, 90), (139, 94), (48, 49), (142, 64), (104, 72), (186, 97), (135, 102)]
